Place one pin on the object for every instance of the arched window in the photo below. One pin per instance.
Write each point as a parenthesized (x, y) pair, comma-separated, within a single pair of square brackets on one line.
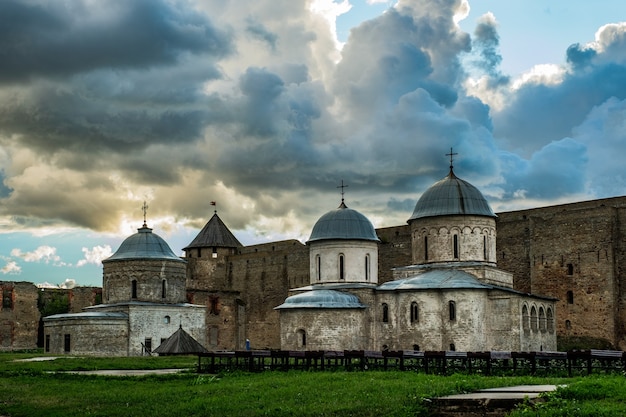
[(550, 320), (542, 319), (341, 267), (385, 313), (425, 248), (456, 246), (367, 267), (163, 289), (452, 347), (570, 297), (133, 289), (533, 319), (452, 310), (416, 348), (318, 263), (568, 324), (525, 319), (166, 319), (485, 252), (301, 338), (415, 312)]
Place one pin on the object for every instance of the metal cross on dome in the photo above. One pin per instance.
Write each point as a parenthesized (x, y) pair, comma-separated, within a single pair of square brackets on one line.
[(342, 186), (451, 155), (144, 208)]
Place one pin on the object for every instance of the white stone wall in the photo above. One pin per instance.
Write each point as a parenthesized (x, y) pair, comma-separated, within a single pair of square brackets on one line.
[(325, 329), (354, 254), (149, 321), (472, 232), (93, 337)]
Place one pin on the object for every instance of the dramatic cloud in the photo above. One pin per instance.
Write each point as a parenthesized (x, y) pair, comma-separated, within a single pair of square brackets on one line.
[(95, 255), (45, 254), (255, 104)]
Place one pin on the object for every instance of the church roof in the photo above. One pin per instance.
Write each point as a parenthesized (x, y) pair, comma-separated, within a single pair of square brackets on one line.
[(180, 343), (343, 223), (451, 196), (214, 233), (322, 299), (441, 279), (144, 245)]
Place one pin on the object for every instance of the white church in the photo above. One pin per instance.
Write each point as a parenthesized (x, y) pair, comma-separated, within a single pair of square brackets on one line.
[(453, 297)]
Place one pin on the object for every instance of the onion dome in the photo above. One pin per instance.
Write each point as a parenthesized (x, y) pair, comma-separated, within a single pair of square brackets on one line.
[(451, 196), (144, 245), (343, 223), (322, 299)]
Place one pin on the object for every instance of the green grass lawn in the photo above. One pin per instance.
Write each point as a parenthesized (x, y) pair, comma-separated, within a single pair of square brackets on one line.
[(40, 389)]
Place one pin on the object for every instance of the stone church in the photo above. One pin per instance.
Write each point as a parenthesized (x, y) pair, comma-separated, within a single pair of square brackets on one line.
[(143, 303), (452, 296)]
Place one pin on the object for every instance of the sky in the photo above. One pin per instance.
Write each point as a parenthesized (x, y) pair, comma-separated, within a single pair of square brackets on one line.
[(266, 106)]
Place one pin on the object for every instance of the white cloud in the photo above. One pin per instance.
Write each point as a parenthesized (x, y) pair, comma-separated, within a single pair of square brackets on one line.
[(43, 253), (11, 268), (95, 255)]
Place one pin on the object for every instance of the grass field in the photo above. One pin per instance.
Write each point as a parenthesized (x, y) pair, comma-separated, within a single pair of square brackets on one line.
[(42, 389)]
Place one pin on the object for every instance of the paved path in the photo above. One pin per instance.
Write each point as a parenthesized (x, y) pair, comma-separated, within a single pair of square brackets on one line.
[(127, 372), (488, 402)]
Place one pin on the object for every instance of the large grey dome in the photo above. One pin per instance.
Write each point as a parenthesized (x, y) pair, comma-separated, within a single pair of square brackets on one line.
[(451, 196), (343, 223), (144, 245)]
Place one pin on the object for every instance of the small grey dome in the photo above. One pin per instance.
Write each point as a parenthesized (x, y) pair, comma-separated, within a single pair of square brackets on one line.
[(437, 279), (322, 299), (451, 196), (144, 245), (343, 223)]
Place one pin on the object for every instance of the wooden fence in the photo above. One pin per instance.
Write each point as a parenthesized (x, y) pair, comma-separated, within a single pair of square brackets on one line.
[(572, 363)]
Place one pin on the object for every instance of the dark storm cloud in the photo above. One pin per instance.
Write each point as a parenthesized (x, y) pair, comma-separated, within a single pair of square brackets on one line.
[(579, 56), (44, 39)]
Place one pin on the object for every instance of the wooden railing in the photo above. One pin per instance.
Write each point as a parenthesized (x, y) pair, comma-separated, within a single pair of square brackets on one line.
[(576, 362)]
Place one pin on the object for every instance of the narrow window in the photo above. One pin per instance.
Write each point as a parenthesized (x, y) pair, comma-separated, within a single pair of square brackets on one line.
[(67, 342), (385, 313), (302, 338), (166, 319), (533, 319), (525, 319), (568, 324), (214, 254), (319, 268), (485, 247), (47, 343), (550, 320), (214, 307), (542, 320), (570, 297), (456, 246), (163, 289), (199, 252), (452, 310), (415, 313), (148, 344), (452, 347), (133, 289), (367, 267), (425, 248), (570, 269), (7, 299), (341, 270), (416, 348)]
